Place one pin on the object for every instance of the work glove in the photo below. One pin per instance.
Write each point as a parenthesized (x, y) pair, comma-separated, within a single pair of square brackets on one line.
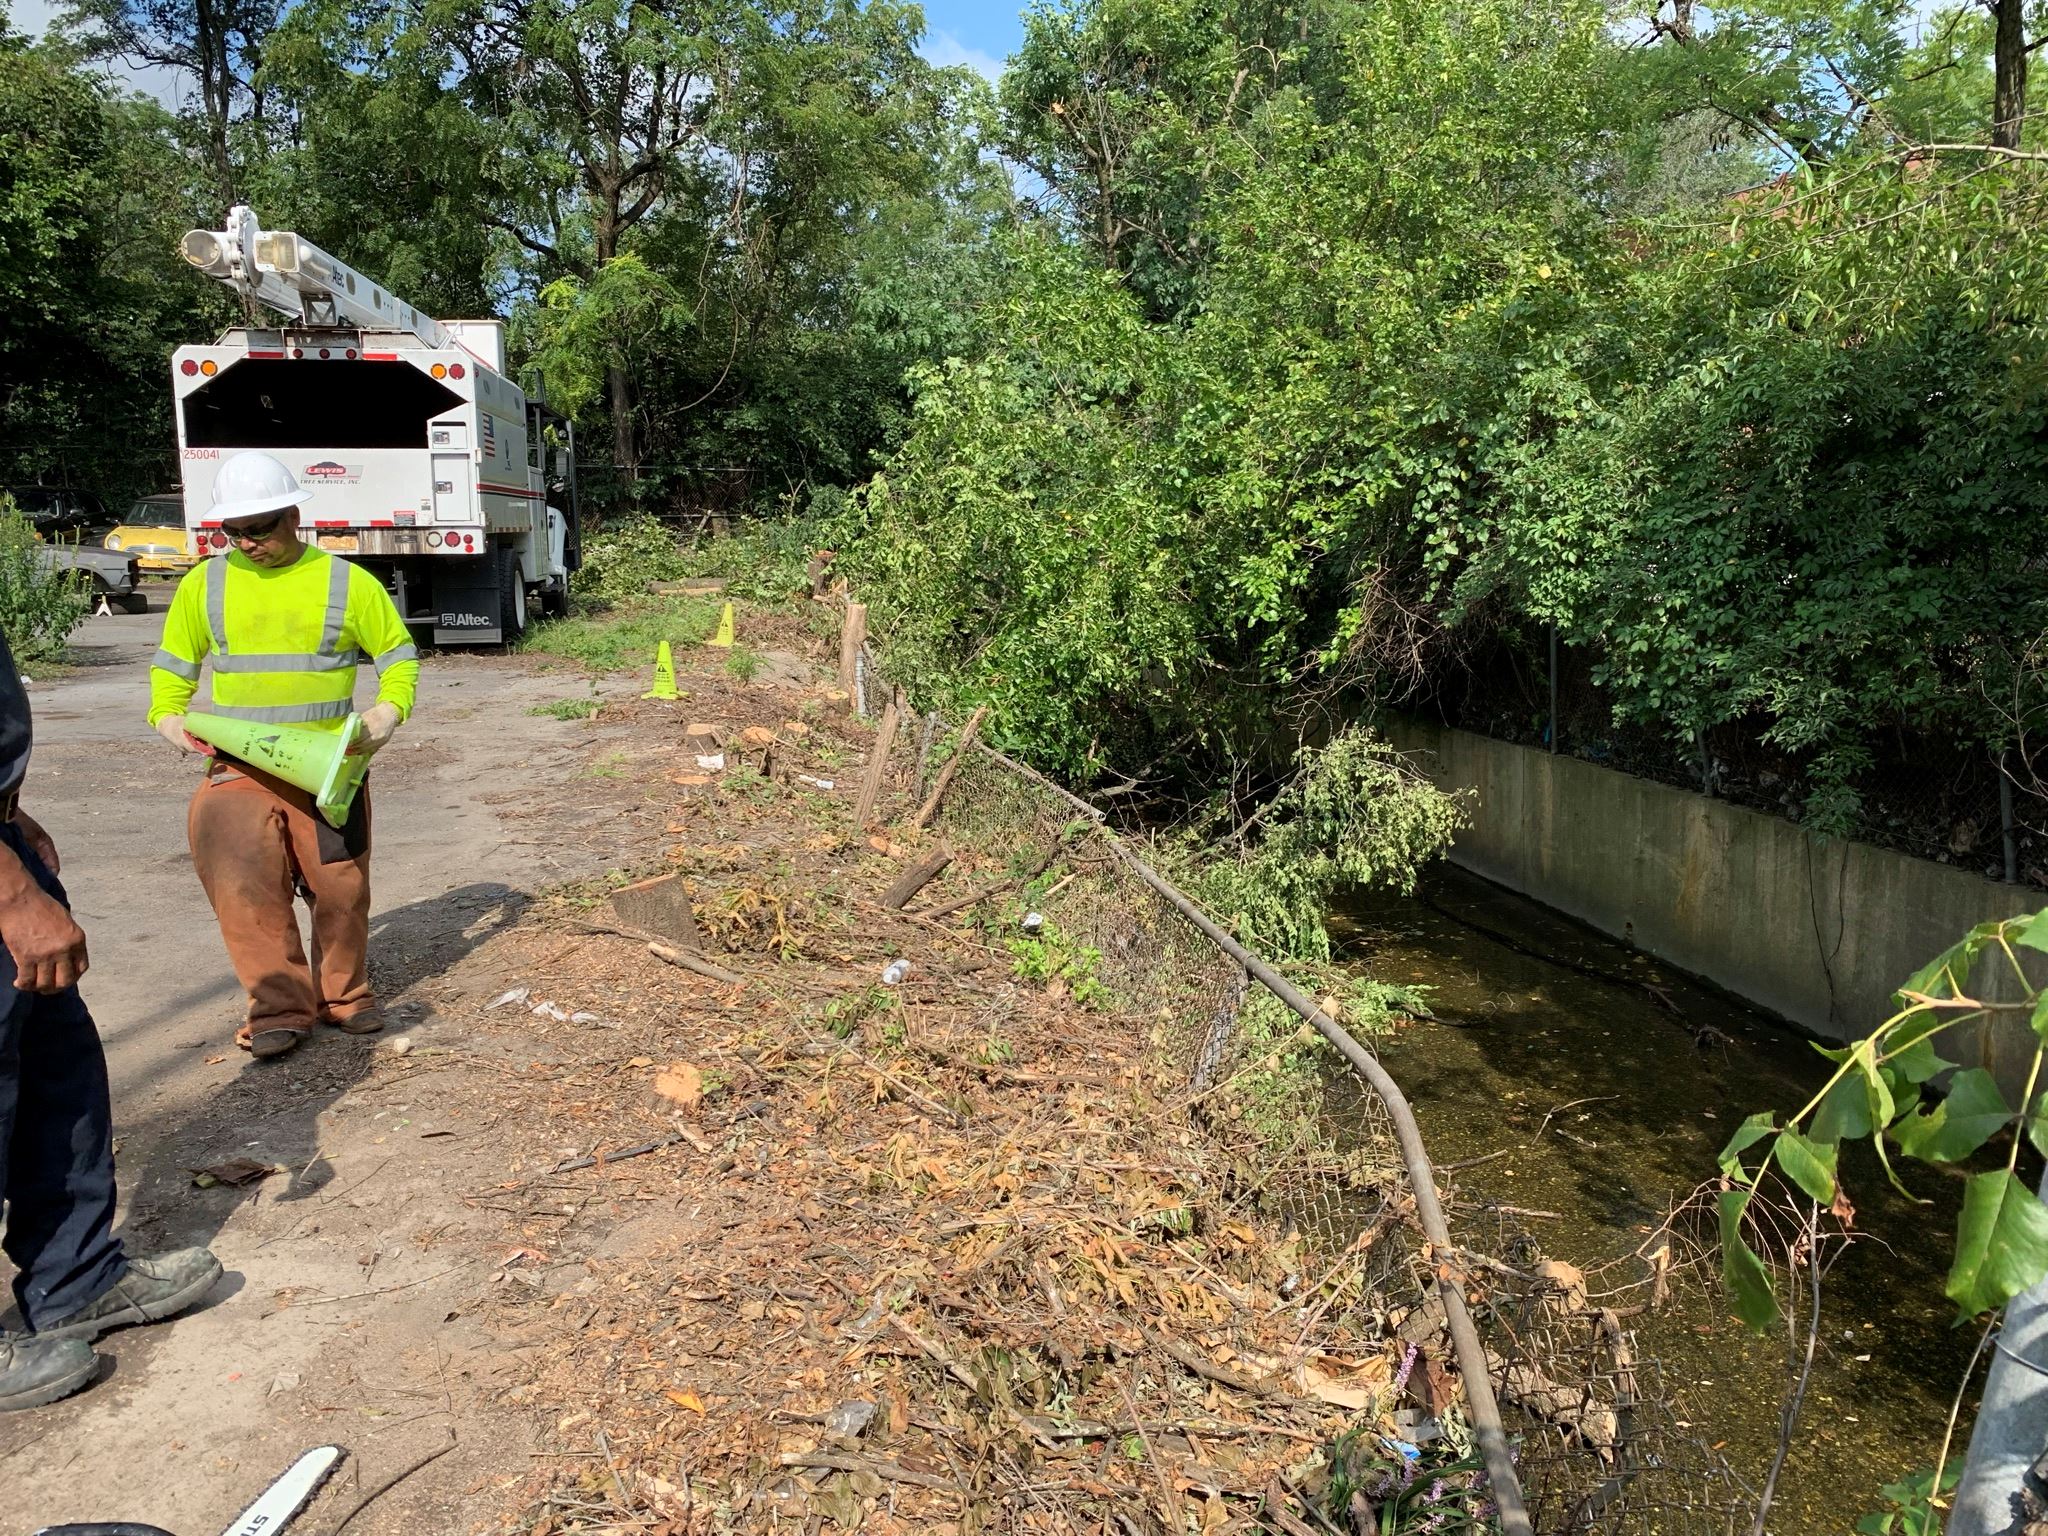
[(379, 721), (172, 729)]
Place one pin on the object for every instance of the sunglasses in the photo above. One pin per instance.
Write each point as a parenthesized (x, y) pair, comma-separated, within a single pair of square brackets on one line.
[(254, 533)]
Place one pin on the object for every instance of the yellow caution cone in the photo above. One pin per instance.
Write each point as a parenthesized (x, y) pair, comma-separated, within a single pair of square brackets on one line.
[(664, 675), (724, 635), (316, 761)]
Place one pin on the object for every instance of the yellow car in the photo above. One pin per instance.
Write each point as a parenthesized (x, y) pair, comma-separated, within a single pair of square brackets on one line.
[(154, 533)]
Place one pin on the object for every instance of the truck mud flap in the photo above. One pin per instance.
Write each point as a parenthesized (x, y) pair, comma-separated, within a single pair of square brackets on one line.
[(465, 603)]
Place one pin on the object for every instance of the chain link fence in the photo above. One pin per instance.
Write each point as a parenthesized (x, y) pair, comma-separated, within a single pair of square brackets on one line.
[(1922, 792), (1597, 1444)]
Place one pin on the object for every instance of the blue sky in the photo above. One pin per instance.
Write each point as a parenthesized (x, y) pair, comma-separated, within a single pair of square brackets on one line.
[(982, 33)]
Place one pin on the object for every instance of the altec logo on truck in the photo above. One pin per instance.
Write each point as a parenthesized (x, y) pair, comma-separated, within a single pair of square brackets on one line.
[(427, 465)]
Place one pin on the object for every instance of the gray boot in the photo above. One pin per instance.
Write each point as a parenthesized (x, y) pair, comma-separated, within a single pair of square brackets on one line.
[(37, 1371), (151, 1290)]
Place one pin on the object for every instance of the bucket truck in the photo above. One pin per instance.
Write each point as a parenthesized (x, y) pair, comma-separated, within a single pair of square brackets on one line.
[(427, 464)]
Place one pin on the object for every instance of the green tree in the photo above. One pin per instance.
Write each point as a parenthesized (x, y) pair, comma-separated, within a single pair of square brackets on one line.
[(93, 190)]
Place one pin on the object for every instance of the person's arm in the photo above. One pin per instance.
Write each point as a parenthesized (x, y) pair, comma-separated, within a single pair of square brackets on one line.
[(382, 636), (48, 946), (174, 670)]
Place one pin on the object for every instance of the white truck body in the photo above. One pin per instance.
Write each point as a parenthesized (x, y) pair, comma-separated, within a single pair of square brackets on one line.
[(423, 459)]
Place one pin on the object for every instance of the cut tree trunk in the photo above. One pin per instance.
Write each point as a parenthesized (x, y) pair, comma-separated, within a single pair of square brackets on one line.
[(878, 762), (851, 633), (659, 906)]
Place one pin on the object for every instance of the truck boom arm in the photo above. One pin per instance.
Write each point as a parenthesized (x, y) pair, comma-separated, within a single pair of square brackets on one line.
[(302, 282)]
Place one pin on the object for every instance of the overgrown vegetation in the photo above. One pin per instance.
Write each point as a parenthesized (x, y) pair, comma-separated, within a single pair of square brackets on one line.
[(41, 603), (1352, 336)]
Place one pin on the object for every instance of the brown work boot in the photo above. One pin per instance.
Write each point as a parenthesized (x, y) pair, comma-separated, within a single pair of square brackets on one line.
[(266, 1043), (148, 1291), (364, 1021), (35, 1371)]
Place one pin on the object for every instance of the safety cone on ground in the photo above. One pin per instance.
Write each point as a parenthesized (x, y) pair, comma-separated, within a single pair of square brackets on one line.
[(316, 761), (724, 635), (664, 675)]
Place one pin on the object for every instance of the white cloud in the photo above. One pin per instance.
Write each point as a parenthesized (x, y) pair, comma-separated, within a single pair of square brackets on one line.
[(946, 50)]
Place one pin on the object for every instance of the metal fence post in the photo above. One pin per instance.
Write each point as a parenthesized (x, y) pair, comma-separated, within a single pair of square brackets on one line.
[(1553, 687), (2007, 824)]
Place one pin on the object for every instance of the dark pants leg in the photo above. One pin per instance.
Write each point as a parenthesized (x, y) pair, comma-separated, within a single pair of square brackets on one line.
[(56, 1141)]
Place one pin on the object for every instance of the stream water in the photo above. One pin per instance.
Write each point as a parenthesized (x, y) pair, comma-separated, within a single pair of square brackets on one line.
[(1535, 1013)]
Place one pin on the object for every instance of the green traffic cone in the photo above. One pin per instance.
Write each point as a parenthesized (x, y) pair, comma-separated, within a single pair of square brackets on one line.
[(316, 761), (724, 636), (664, 675)]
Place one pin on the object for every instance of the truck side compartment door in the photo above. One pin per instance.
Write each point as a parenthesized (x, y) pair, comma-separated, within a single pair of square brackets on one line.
[(454, 488)]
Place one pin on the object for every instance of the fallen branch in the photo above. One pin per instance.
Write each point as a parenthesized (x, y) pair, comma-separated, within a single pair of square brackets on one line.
[(887, 1471), (596, 1159), (390, 1483), (916, 878), (1209, 1370), (691, 963), (973, 898)]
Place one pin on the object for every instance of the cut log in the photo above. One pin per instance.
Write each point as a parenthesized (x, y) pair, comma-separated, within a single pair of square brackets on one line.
[(916, 878), (878, 762), (930, 808), (661, 906), (851, 634)]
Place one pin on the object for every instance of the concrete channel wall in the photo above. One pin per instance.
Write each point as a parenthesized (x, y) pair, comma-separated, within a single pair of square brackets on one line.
[(1817, 933)]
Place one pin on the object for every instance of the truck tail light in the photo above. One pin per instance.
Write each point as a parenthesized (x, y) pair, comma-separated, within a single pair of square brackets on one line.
[(433, 541), (209, 367), (188, 367), (217, 539)]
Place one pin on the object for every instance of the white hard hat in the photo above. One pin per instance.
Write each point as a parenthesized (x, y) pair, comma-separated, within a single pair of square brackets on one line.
[(251, 484)]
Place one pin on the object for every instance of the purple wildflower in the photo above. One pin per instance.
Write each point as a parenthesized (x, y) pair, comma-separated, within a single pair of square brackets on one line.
[(1407, 1365)]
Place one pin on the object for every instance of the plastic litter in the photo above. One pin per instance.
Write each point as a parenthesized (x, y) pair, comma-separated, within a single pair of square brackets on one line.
[(815, 783), (506, 999), (895, 972), (711, 761), (551, 1011), (1033, 921), (850, 1418)]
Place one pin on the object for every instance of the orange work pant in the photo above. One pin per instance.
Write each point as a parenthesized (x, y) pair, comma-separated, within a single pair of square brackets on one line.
[(256, 843)]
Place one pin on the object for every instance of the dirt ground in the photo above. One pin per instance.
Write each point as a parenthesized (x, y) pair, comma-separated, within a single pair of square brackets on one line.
[(478, 805), (965, 1211)]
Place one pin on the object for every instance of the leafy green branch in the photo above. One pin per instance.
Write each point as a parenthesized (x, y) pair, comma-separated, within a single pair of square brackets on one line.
[(1881, 1089)]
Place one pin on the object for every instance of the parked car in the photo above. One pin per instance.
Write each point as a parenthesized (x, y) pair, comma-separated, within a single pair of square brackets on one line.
[(54, 510), (154, 532), (64, 520)]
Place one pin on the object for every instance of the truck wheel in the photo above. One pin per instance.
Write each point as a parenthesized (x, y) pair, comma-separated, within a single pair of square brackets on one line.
[(511, 599)]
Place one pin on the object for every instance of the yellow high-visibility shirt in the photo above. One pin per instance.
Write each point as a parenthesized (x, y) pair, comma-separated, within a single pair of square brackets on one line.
[(283, 643)]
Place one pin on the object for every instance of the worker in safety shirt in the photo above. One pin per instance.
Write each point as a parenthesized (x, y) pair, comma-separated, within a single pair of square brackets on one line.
[(285, 624), (72, 1280)]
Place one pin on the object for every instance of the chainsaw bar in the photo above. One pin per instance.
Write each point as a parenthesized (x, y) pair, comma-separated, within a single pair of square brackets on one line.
[(278, 1504)]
